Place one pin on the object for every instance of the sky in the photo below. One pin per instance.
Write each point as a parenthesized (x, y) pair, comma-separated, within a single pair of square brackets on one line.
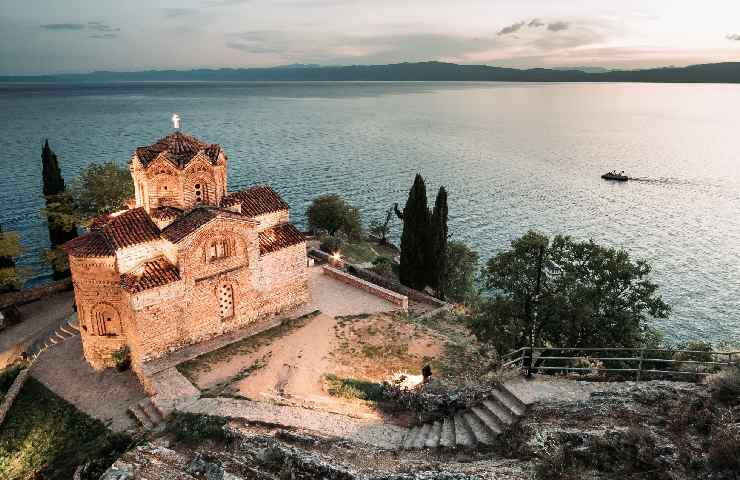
[(60, 36)]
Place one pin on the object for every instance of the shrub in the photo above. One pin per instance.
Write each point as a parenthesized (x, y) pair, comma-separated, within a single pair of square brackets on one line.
[(122, 358), (723, 450), (383, 266), (330, 245), (353, 388), (727, 387)]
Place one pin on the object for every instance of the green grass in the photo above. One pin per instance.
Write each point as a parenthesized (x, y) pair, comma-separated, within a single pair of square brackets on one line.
[(43, 433), (358, 252), (205, 362), (353, 388)]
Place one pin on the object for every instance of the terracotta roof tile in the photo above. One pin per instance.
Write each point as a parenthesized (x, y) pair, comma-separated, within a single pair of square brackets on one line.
[(180, 148), (130, 228), (166, 212), (188, 223), (256, 201), (93, 244), (151, 274), (279, 237)]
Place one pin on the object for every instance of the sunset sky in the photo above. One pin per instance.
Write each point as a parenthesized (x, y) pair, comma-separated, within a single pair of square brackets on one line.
[(51, 36)]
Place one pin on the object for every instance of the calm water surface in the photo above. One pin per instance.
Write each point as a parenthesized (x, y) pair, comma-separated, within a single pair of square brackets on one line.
[(514, 157)]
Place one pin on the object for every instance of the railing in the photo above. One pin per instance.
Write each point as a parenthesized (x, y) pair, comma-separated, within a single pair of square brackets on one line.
[(628, 360)]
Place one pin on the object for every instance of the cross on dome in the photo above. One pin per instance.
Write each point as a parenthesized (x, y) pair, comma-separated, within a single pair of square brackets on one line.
[(176, 121)]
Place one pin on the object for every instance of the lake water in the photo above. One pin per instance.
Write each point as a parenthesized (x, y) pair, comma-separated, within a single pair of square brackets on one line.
[(514, 157)]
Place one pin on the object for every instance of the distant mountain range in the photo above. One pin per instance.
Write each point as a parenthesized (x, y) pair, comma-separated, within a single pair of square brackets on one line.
[(728, 72)]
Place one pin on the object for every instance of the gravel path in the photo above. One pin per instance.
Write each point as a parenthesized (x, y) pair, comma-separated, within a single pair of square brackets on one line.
[(369, 432)]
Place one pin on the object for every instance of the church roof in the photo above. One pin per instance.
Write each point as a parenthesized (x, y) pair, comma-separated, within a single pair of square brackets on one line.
[(196, 218), (180, 149), (93, 244), (279, 237), (151, 274), (166, 212), (256, 201), (111, 232), (130, 228)]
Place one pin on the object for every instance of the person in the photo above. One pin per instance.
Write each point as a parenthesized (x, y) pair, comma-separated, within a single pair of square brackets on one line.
[(426, 373)]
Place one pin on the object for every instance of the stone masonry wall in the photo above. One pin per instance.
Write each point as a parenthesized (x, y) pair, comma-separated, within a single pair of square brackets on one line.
[(272, 219)]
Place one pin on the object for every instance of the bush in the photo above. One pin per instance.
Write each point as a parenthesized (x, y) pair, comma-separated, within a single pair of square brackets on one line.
[(353, 388), (727, 387), (330, 245), (333, 214), (724, 451), (122, 358), (383, 266), (193, 428)]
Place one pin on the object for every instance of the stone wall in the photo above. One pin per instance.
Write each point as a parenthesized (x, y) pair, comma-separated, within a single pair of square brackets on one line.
[(395, 286), (391, 296), (13, 392), (33, 294), (130, 257), (272, 219)]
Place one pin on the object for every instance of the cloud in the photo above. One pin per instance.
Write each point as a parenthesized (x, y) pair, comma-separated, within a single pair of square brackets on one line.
[(224, 3), (536, 23), (101, 27), (103, 36), (64, 26), (734, 36), (511, 28), (557, 26)]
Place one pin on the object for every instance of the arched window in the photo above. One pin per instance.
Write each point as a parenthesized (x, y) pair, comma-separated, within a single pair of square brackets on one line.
[(226, 300), (200, 190), (104, 320), (219, 248)]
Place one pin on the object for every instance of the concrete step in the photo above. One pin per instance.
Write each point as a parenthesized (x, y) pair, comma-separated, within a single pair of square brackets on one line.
[(482, 433), (67, 330), (72, 322), (463, 435), (52, 340), (434, 435), (522, 405), (151, 411), (422, 437), (492, 423), (447, 438), (410, 439), (506, 401), (501, 412), (138, 414)]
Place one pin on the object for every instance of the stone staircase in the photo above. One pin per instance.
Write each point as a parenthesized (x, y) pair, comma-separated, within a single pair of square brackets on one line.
[(481, 424), (146, 413), (68, 328)]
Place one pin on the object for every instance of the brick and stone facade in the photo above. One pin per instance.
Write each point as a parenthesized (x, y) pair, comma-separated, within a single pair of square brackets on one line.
[(189, 262)]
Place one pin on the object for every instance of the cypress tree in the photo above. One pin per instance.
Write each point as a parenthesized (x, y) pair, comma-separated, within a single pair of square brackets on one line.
[(414, 238), (437, 256), (52, 175)]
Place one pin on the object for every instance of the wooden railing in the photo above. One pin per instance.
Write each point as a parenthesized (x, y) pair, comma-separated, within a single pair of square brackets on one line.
[(639, 361)]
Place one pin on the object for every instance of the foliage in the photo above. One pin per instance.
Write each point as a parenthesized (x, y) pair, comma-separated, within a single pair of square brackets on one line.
[(102, 188), (44, 434), (383, 266), (727, 387), (567, 292), (50, 172), (11, 278), (413, 271), (462, 265), (381, 230), (723, 451), (333, 214), (122, 358), (193, 428), (353, 388), (330, 244), (437, 253), (56, 258)]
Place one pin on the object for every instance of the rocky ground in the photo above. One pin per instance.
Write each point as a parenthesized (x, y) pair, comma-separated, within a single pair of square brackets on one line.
[(652, 430)]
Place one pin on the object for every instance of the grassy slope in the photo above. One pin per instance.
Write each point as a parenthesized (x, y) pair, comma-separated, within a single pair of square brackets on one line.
[(45, 433)]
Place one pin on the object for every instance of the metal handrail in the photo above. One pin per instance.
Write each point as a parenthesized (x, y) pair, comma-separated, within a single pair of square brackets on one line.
[(528, 353)]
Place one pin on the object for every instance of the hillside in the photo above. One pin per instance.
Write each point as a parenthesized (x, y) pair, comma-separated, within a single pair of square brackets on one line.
[(728, 72)]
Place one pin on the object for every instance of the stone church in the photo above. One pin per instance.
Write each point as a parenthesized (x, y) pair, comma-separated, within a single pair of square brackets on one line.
[(188, 261)]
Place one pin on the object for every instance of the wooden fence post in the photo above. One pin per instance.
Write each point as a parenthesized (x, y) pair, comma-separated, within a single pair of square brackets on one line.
[(639, 368)]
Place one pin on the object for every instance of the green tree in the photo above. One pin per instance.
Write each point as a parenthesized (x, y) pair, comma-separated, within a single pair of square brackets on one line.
[(462, 266), (437, 253), (333, 214), (50, 172), (567, 293), (10, 248), (101, 188), (381, 230), (414, 271)]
